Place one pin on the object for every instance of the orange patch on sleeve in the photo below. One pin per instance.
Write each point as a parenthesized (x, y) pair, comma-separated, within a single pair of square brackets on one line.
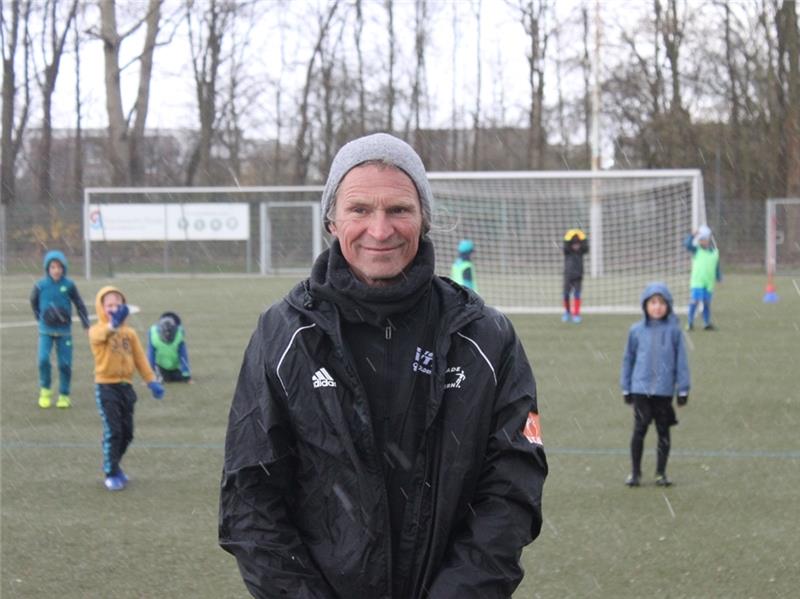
[(532, 430)]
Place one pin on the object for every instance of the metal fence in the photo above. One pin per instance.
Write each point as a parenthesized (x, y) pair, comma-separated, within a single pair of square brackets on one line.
[(29, 230)]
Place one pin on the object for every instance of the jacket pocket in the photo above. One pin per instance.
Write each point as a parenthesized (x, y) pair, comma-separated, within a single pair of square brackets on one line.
[(56, 317)]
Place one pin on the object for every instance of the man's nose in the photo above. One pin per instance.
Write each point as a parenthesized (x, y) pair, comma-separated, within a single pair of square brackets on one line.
[(380, 225)]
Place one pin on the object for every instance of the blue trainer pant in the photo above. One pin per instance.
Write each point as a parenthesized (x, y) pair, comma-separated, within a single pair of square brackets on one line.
[(700, 294), (63, 345), (115, 403)]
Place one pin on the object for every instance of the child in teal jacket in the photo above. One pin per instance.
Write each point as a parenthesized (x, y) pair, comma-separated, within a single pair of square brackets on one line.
[(51, 300)]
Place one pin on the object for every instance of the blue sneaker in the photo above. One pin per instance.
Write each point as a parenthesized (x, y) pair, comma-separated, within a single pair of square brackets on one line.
[(123, 477), (576, 319), (565, 317), (114, 483)]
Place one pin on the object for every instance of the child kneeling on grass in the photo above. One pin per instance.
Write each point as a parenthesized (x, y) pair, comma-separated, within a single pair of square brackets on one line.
[(117, 352), (654, 368), (166, 350)]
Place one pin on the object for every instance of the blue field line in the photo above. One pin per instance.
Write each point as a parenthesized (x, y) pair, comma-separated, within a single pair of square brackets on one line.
[(579, 451)]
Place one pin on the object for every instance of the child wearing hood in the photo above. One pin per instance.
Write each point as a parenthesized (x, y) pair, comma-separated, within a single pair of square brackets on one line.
[(654, 368), (166, 350), (51, 300), (705, 274), (463, 271), (117, 353)]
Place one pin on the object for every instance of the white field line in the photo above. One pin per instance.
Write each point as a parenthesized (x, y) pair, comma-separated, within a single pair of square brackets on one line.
[(29, 323)]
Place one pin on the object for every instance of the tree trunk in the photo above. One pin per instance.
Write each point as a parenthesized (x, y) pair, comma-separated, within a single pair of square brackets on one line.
[(124, 141), (735, 125), (362, 102), (152, 21), (390, 91), (418, 85), (78, 163), (586, 67), (206, 59), (476, 117), (47, 86), (118, 150), (12, 131), (302, 154), (791, 126)]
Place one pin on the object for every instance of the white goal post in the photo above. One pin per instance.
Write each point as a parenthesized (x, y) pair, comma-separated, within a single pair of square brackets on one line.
[(782, 236), (635, 220)]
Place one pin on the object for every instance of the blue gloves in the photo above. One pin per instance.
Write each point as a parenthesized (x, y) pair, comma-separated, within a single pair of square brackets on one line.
[(118, 317), (157, 389)]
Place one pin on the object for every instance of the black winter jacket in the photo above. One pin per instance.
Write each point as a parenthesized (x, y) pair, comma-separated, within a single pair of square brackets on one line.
[(303, 502), (573, 259)]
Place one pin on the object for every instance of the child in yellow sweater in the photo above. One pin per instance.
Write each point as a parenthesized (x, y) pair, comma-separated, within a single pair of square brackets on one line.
[(117, 352)]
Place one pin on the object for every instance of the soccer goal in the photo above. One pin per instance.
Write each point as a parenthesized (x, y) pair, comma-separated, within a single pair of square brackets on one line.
[(636, 222), (197, 230), (783, 236)]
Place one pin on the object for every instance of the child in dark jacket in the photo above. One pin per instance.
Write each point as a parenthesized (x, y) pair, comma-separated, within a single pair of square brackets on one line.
[(575, 246), (654, 368), (51, 300)]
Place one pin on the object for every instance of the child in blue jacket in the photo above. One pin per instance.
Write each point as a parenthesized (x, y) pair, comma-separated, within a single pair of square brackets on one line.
[(51, 300), (654, 368)]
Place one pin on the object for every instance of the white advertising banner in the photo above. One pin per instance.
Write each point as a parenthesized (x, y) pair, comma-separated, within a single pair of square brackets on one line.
[(169, 222)]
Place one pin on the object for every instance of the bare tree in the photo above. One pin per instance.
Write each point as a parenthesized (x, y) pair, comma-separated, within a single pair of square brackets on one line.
[(242, 88), (476, 116), (362, 102), (586, 70), (533, 15), (13, 123), (789, 42), (126, 140), (418, 83), (390, 90), (733, 84), (52, 49), (205, 43), (78, 162), (453, 102), (302, 152), (329, 90)]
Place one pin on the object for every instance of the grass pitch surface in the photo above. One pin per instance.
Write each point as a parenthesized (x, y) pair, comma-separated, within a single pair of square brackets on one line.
[(727, 528)]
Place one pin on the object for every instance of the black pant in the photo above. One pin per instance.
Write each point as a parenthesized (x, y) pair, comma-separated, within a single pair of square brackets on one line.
[(647, 408), (171, 376), (115, 403)]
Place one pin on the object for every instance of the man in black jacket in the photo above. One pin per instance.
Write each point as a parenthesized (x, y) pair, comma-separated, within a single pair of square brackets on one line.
[(383, 440)]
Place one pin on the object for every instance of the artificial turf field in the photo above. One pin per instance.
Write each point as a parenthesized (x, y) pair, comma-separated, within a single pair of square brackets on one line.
[(729, 527)]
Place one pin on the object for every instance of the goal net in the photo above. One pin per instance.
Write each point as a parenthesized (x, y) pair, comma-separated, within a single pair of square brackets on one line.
[(783, 236), (636, 222)]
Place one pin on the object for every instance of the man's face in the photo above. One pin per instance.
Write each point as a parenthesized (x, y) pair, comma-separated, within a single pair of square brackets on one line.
[(378, 220), (111, 301), (55, 269)]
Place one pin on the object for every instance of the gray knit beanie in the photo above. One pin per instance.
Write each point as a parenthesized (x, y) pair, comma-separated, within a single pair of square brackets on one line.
[(385, 148)]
